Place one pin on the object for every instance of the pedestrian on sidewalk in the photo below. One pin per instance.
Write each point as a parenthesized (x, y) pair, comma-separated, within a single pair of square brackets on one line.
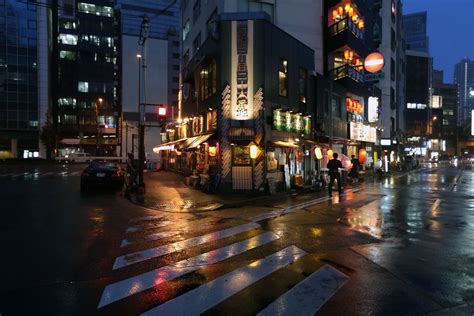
[(333, 166), (354, 173)]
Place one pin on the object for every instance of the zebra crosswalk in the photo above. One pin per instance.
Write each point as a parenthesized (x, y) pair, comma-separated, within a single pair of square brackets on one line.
[(35, 175), (267, 252)]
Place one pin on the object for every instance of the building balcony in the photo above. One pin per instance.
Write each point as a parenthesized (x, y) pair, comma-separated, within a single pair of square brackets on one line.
[(343, 25), (347, 71)]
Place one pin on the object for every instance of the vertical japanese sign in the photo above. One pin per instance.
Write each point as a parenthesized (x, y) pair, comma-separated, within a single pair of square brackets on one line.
[(242, 70)]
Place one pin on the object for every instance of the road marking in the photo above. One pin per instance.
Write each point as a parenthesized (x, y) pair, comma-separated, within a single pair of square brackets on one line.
[(47, 174), (308, 296), (455, 181), (137, 228), (434, 207), (146, 218), (151, 253), (151, 237), (145, 281), (7, 175), (24, 174), (75, 173), (210, 294), (293, 208)]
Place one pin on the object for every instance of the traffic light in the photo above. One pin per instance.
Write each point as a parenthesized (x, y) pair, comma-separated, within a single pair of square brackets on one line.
[(162, 111)]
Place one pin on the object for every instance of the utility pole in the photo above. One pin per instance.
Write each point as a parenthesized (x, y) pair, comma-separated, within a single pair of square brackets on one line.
[(141, 125)]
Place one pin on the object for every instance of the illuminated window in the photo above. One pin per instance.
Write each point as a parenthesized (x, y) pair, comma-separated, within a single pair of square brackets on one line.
[(437, 102), (208, 80), (186, 29), (83, 86), (283, 78), (445, 122), (95, 9), (68, 55), (67, 39), (67, 102)]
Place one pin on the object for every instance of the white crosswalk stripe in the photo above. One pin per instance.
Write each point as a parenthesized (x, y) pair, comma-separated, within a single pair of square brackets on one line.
[(155, 277), (210, 294), (147, 254), (308, 296)]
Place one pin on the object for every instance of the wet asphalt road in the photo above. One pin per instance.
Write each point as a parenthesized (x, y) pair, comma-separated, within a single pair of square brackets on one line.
[(402, 245)]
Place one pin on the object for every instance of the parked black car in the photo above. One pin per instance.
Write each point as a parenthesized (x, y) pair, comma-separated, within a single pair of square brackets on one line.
[(104, 174)]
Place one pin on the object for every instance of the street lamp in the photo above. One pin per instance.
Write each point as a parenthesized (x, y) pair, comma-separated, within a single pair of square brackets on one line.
[(98, 143)]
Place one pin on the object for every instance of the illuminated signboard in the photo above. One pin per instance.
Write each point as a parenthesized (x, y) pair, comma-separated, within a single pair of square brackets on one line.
[(362, 132), (291, 122), (385, 142), (242, 71), (373, 111), (472, 122)]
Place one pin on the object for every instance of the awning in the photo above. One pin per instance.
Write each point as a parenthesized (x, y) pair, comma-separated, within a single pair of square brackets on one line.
[(168, 145), (281, 143), (194, 142)]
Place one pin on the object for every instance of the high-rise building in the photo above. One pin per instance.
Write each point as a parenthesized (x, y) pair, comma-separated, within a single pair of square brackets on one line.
[(464, 79), (393, 84), (86, 106), (415, 28), (19, 82), (444, 103), (418, 116), (438, 76)]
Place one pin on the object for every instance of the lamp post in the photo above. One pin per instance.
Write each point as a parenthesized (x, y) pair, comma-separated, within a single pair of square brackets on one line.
[(98, 142)]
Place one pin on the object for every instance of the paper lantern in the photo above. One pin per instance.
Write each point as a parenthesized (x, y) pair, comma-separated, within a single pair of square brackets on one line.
[(212, 151), (318, 153), (355, 18), (346, 54), (361, 24), (347, 8), (340, 10), (253, 151), (334, 14), (362, 156), (330, 153)]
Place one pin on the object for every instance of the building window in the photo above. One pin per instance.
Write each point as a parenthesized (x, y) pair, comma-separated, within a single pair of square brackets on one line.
[(67, 39), (68, 55), (175, 55), (283, 78), (393, 40), (83, 86), (175, 79), (197, 42), (67, 102), (392, 69), (69, 25), (175, 67), (196, 10), (302, 85), (95, 9), (208, 80), (69, 119), (186, 28), (445, 122)]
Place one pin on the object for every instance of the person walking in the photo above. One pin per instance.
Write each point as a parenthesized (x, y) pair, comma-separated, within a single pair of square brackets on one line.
[(354, 173), (333, 166)]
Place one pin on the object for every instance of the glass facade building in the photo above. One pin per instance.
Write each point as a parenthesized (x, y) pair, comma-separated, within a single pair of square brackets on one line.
[(18, 80), (415, 29)]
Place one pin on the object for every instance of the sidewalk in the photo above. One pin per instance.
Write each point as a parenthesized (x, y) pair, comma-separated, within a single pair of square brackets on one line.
[(166, 191)]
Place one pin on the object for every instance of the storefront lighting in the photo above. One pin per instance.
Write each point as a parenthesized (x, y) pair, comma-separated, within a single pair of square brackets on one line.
[(318, 153), (253, 151), (212, 151)]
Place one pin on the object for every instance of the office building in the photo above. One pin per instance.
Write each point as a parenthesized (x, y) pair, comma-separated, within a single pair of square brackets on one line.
[(20, 112), (85, 91), (444, 102), (415, 29), (464, 79)]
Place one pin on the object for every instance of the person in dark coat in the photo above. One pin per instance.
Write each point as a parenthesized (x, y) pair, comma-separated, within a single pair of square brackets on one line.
[(333, 166), (354, 173)]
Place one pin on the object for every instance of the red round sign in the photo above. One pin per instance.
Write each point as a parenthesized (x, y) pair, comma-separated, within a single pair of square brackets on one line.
[(374, 62)]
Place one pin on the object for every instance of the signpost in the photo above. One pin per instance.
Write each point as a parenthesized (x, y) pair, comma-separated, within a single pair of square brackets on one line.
[(374, 77)]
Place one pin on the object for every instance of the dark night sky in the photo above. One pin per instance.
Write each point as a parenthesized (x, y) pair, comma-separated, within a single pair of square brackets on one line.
[(450, 28)]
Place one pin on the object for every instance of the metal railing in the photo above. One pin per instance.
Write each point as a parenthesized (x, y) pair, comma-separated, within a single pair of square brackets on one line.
[(347, 71), (345, 24)]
